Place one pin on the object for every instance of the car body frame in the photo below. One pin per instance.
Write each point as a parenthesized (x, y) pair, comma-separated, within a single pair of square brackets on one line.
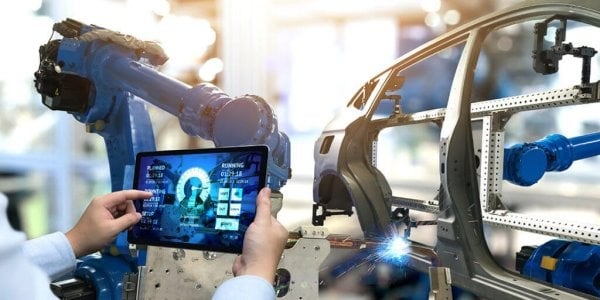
[(347, 180)]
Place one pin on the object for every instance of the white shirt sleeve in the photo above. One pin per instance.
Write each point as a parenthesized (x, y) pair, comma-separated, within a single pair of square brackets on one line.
[(19, 278), (245, 287), (52, 253)]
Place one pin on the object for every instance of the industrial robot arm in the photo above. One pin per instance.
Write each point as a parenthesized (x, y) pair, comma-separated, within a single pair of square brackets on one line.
[(525, 164), (93, 73), (103, 78)]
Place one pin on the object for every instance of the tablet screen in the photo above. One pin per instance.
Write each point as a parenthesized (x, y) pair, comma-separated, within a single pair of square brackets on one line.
[(202, 199)]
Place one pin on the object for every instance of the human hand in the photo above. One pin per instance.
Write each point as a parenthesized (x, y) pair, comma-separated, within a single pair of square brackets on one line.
[(263, 243), (103, 219)]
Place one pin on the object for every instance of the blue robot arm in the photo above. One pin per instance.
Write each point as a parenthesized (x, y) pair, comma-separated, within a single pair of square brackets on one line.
[(525, 164), (97, 75), (104, 79)]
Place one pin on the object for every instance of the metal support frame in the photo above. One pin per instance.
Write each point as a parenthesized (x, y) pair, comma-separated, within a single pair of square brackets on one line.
[(494, 114), (181, 274), (492, 154)]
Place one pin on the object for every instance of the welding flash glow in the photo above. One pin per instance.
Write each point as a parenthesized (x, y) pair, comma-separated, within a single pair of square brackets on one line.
[(394, 250)]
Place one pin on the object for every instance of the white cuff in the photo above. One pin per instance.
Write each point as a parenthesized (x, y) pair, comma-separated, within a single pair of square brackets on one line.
[(245, 287)]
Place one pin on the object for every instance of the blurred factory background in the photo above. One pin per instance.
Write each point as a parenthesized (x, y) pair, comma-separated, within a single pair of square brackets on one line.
[(305, 57)]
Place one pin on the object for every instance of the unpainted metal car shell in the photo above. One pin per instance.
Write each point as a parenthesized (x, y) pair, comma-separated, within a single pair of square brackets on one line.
[(345, 175)]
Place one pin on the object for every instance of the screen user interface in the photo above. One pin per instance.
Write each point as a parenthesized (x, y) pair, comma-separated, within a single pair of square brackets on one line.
[(202, 199)]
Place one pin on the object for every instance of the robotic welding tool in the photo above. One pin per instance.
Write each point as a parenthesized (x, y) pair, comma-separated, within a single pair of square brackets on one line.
[(101, 77), (545, 61)]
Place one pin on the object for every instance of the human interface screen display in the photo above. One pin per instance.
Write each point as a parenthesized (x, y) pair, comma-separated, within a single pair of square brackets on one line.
[(202, 199)]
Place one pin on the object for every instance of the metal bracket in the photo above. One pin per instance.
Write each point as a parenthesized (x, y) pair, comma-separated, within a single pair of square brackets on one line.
[(319, 220), (440, 283)]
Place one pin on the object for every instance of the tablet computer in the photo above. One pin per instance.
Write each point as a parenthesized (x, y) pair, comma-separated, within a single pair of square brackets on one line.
[(203, 199)]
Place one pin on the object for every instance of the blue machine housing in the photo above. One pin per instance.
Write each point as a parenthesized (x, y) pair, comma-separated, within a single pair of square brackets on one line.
[(569, 264)]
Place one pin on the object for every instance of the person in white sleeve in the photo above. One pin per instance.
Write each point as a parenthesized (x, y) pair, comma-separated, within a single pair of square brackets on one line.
[(28, 266)]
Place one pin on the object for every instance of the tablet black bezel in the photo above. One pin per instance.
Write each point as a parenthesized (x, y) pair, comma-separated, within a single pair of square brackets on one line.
[(263, 150)]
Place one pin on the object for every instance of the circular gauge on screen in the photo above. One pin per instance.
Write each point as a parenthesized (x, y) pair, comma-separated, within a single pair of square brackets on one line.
[(193, 184)]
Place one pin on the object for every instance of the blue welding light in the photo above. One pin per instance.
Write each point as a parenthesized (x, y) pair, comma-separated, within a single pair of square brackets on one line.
[(394, 250)]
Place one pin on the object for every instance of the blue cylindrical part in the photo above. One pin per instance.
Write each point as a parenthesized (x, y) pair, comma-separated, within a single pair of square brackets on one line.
[(120, 70), (525, 164), (558, 151), (586, 145)]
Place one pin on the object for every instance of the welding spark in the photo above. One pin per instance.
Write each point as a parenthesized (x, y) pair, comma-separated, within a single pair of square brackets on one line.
[(389, 249), (394, 250)]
